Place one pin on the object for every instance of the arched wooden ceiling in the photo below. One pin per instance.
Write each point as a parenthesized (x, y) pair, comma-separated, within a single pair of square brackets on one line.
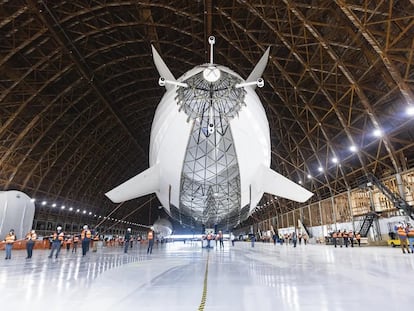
[(79, 88)]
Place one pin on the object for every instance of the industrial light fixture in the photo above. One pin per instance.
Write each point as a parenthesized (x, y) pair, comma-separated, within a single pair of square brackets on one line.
[(410, 110), (353, 148), (377, 133)]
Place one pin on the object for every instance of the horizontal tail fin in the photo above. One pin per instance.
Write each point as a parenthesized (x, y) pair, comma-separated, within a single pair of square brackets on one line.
[(142, 184), (278, 185)]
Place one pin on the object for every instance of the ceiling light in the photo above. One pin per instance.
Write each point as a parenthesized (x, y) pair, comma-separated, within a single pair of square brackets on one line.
[(71, 208), (335, 160), (63, 207), (377, 133), (44, 203), (410, 110), (353, 148), (299, 182), (309, 176), (78, 210), (32, 200), (320, 169), (54, 205)]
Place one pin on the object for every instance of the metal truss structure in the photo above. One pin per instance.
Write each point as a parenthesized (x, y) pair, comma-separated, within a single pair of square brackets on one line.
[(79, 89)]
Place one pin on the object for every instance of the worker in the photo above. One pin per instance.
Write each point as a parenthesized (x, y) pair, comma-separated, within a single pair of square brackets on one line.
[(351, 237), (358, 238), (10, 239), (410, 234), (334, 237), (150, 241), (209, 238), (31, 237), (86, 239), (68, 242), (220, 238), (345, 238), (402, 234), (95, 241), (57, 241), (127, 239), (340, 238), (75, 243)]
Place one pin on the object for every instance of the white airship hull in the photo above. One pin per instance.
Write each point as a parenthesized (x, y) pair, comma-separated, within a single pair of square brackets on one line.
[(215, 176)]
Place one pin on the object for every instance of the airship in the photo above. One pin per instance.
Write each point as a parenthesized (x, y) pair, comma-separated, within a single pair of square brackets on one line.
[(210, 149)]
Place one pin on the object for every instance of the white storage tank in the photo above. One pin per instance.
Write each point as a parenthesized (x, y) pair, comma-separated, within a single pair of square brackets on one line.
[(162, 227), (16, 212)]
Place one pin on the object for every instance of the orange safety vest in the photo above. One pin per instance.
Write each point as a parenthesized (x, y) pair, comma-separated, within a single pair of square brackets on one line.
[(351, 234), (334, 235), (86, 233), (401, 233), (76, 239), (10, 238), (358, 236), (150, 235), (411, 233), (31, 236)]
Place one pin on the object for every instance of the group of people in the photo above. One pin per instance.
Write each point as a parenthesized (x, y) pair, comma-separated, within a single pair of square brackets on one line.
[(216, 237), (344, 238), (11, 238), (58, 239), (405, 233)]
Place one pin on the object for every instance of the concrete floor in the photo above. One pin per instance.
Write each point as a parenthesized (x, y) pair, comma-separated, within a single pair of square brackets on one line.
[(180, 276)]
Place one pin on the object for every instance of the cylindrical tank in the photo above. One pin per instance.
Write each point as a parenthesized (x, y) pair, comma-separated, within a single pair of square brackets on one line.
[(162, 227), (16, 212)]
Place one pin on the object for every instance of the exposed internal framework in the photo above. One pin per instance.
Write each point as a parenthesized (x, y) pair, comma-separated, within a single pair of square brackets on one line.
[(210, 180)]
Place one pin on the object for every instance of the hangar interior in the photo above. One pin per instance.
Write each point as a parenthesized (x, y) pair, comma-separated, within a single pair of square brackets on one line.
[(79, 91)]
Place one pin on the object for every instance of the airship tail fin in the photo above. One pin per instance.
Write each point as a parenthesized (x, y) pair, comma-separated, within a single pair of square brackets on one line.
[(142, 184), (259, 69), (162, 68), (278, 185)]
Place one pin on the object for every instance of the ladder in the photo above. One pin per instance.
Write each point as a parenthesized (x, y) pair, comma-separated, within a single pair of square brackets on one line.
[(367, 223)]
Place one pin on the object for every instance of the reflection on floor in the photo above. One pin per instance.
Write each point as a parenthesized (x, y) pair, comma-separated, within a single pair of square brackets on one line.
[(180, 276)]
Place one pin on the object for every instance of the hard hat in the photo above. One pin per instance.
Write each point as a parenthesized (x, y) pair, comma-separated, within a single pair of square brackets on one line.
[(85, 227), (129, 229), (59, 228), (32, 231), (12, 230)]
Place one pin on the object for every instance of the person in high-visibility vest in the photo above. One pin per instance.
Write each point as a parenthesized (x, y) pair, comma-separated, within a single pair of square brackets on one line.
[(86, 235), (150, 241), (127, 239), (351, 238), (402, 234), (31, 237), (10, 239), (410, 234), (75, 243), (358, 238), (57, 241), (334, 237)]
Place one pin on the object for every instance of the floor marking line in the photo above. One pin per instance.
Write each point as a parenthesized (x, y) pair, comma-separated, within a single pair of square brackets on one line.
[(204, 296)]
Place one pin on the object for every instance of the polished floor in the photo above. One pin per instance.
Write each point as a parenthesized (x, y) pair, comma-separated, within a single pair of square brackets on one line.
[(180, 276)]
